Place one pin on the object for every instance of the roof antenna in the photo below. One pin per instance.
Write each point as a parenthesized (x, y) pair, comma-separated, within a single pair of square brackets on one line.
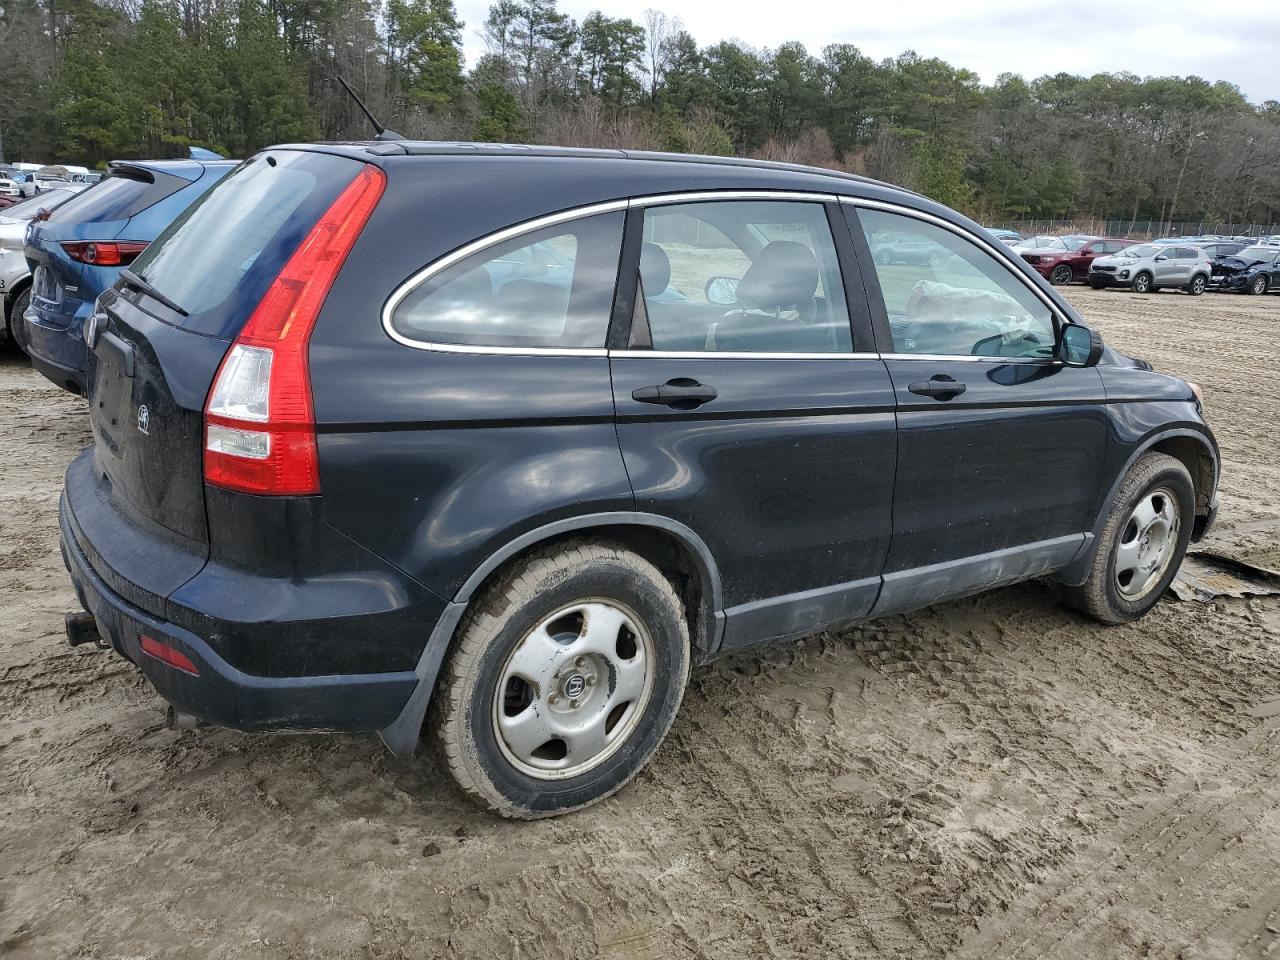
[(383, 132)]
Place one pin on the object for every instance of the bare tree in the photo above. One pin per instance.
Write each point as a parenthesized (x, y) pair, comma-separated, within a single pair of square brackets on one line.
[(659, 29)]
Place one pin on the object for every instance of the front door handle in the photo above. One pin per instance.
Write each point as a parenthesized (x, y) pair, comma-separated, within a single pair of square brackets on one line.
[(939, 386), (681, 393)]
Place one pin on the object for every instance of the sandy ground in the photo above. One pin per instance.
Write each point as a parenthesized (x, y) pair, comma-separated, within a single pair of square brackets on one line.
[(995, 777)]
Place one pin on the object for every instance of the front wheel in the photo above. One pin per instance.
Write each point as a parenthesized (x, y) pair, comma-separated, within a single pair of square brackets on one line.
[(567, 675), (1060, 275), (1197, 285), (1259, 285), (1142, 283), (1142, 543)]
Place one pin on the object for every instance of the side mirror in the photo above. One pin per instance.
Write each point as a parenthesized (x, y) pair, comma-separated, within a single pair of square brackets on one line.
[(1161, 256), (722, 290), (1078, 346)]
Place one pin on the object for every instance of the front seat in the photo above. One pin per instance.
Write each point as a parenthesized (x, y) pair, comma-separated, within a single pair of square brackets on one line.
[(775, 310)]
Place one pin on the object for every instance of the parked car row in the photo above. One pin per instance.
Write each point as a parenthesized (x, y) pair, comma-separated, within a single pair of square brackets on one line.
[(1193, 264)]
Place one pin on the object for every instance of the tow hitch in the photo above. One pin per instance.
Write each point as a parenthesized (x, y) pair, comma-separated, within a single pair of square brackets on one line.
[(82, 628)]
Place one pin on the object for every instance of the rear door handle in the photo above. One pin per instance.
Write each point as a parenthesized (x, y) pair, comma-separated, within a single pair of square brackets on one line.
[(939, 386), (681, 393)]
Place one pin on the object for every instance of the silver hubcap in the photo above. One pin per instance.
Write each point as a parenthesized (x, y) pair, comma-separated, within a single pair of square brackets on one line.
[(574, 689), (1147, 544), (1140, 284)]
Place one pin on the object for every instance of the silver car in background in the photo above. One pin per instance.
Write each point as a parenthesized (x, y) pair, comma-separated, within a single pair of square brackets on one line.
[(1147, 267)]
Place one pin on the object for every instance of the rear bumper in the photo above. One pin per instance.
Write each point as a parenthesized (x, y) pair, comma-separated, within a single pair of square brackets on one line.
[(333, 647), (221, 694), (58, 352)]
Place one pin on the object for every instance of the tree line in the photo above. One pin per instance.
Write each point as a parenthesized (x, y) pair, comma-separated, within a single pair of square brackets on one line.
[(92, 80)]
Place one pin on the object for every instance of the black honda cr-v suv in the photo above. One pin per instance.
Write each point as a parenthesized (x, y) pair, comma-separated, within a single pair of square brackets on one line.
[(522, 433)]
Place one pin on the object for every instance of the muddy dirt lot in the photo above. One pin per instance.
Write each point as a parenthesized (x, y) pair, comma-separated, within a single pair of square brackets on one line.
[(995, 777)]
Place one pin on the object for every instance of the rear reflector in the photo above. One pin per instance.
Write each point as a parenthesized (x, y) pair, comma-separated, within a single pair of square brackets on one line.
[(168, 655), (260, 432)]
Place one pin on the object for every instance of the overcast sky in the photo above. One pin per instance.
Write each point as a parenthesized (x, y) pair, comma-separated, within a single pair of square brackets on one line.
[(1213, 40)]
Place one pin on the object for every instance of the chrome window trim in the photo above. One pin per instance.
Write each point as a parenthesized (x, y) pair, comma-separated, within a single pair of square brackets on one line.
[(563, 216), (700, 196), (968, 358), (734, 355), (476, 246), (964, 234)]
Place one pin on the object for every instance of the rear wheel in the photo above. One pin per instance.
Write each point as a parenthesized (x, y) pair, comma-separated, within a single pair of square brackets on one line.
[(567, 675), (1259, 285), (16, 310), (1142, 283), (1197, 285), (1142, 542), (1060, 275)]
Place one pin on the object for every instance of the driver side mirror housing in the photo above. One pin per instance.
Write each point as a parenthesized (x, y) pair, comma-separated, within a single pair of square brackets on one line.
[(1079, 346)]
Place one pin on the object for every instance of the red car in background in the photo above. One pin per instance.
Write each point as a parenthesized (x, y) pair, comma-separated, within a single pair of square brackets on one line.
[(1066, 259)]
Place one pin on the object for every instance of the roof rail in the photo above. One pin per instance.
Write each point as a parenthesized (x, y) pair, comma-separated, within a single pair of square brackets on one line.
[(465, 148)]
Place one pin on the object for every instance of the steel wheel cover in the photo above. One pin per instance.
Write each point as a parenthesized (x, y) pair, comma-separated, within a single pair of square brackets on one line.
[(573, 690)]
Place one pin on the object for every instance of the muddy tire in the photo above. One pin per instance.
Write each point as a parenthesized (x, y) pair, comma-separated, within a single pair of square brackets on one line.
[(1197, 285), (1142, 283), (1142, 542), (1060, 276), (566, 676)]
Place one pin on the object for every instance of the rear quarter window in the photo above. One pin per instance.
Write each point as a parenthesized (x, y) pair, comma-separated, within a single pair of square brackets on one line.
[(217, 259), (548, 289)]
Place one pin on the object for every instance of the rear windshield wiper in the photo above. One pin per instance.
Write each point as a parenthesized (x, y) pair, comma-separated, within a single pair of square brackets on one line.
[(151, 291)]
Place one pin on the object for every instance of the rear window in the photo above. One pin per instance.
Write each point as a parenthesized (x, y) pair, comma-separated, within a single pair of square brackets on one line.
[(45, 200), (217, 259), (120, 196)]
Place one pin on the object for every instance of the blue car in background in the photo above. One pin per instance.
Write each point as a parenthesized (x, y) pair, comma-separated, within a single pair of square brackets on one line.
[(79, 249)]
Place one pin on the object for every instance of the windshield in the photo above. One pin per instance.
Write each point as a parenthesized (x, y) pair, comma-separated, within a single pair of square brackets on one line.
[(29, 208), (1042, 243), (1140, 251), (1075, 243), (1258, 253)]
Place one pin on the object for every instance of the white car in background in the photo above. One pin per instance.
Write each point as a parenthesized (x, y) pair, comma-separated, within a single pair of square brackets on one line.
[(15, 276)]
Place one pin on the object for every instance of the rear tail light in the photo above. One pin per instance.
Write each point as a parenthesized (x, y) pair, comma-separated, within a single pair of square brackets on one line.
[(104, 253), (260, 432), (168, 655)]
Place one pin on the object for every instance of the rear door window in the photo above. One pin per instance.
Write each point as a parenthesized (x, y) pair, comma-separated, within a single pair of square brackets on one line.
[(547, 289), (217, 259), (741, 276)]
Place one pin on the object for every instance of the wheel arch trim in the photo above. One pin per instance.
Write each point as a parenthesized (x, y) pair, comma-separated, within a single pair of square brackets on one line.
[(1077, 571), (401, 736)]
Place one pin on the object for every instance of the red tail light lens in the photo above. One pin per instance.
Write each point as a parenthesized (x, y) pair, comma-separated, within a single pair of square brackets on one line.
[(260, 434), (104, 253), (168, 655)]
